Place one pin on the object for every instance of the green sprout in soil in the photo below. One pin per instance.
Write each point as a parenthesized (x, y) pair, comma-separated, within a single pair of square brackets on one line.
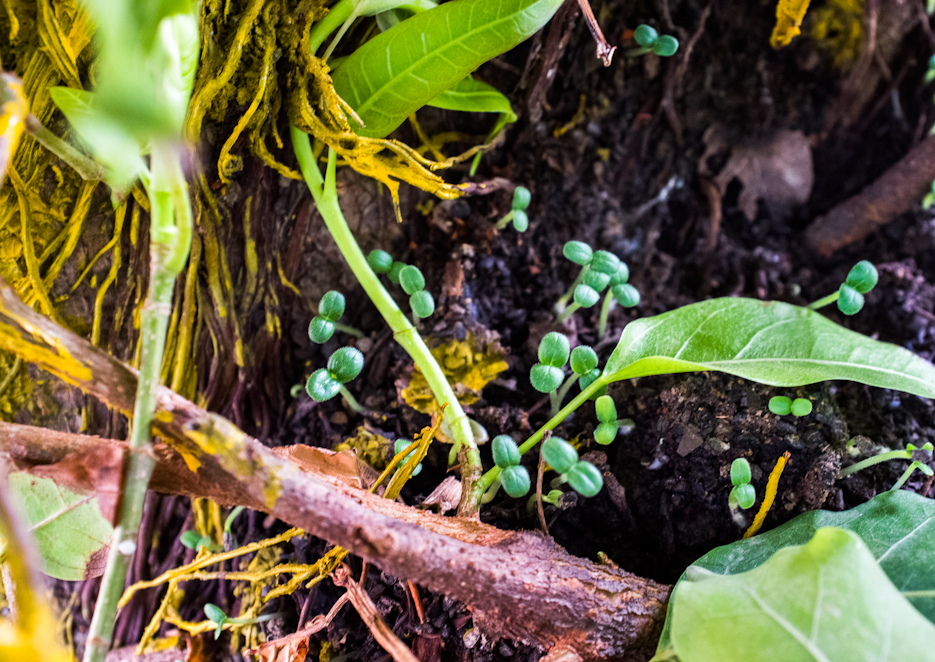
[(743, 494), (783, 406), (651, 41), (861, 279), (600, 270), (343, 366), (194, 540), (548, 376), (521, 199), (920, 459), (582, 476), (216, 615), (513, 476), (608, 425)]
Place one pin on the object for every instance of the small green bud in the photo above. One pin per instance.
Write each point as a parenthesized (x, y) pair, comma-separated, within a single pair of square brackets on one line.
[(546, 378), (588, 379), (395, 269), (850, 301), (190, 539), (578, 252), (515, 481), (606, 433), (505, 451), (605, 409), (666, 46), (320, 330), (780, 405), (554, 349), (215, 614), (586, 296), (559, 454), (626, 295), (740, 472), (743, 495), (605, 262), (345, 364), (399, 446), (596, 280), (621, 276), (520, 220), (380, 261), (863, 277), (521, 198), (645, 35), (422, 304), (321, 386), (554, 497), (331, 306), (585, 479), (583, 360), (412, 280), (801, 407)]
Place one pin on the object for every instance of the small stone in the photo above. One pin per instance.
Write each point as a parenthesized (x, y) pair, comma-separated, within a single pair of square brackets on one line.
[(717, 446)]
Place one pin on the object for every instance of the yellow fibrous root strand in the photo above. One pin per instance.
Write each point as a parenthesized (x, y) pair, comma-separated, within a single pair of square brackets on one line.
[(772, 486)]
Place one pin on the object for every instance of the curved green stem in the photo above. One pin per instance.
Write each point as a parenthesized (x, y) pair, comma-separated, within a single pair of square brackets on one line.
[(503, 222), (568, 312), (824, 301), (876, 459), (352, 401), (326, 199), (563, 391), (565, 298), (488, 478), (606, 307)]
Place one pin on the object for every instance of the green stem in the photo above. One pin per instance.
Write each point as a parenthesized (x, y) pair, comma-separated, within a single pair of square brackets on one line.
[(349, 330), (565, 298), (326, 199), (636, 52), (902, 479), (488, 478), (568, 312), (824, 301), (352, 401), (503, 222), (606, 307), (89, 169), (167, 189), (876, 459), (563, 391)]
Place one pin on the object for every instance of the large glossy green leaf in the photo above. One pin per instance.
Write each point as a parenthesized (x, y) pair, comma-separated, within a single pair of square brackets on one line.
[(897, 527), (71, 533), (827, 600), (768, 342), (399, 71)]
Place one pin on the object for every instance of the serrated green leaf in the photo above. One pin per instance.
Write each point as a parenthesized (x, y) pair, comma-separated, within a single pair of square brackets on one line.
[(768, 342), (71, 534), (399, 71), (827, 600)]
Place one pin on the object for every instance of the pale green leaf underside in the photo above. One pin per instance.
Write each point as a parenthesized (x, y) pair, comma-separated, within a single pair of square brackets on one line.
[(826, 601), (473, 96), (399, 71), (73, 544), (768, 342)]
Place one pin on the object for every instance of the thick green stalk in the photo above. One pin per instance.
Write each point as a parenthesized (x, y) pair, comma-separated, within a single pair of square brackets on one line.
[(167, 254), (488, 478), (326, 199)]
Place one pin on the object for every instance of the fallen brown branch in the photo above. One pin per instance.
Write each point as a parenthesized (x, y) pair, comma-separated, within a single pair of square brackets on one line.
[(898, 190), (520, 585)]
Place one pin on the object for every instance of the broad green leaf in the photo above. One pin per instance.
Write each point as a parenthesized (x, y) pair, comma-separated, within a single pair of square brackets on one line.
[(117, 150), (827, 600), (399, 71), (71, 534), (768, 342), (473, 96)]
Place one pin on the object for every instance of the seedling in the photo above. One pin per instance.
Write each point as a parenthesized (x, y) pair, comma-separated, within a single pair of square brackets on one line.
[(743, 494), (521, 200), (651, 41), (421, 302), (513, 476), (608, 425), (402, 444), (548, 375), (600, 270), (920, 459), (330, 310), (861, 279), (343, 366), (782, 406), (583, 477), (216, 615)]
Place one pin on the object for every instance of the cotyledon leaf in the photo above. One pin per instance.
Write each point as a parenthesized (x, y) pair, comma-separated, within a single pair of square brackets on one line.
[(772, 343), (827, 601), (399, 71)]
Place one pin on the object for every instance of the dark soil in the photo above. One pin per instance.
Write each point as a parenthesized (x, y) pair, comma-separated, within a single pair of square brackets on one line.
[(667, 480)]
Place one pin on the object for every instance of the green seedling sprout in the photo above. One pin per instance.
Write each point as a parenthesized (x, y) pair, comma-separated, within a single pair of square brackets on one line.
[(513, 477), (743, 494), (548, 376), (216, 615), (608, 425), (421, 302), (582, 476), (521, 199), (330, 310), (861, 279), (920, 459), (194, 540), (600, 270), (782, 406), (620, 291), (343, 366), (651, 41)]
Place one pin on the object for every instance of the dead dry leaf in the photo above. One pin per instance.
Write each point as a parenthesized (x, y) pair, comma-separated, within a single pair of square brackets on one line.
[(342, 465)]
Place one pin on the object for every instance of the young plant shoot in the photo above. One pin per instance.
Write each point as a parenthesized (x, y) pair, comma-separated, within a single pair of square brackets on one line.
[(582, 476), (783, 406), (920, 458), (521, 199), (743, 494), (600, 270), (651, 41), (862, 278)]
